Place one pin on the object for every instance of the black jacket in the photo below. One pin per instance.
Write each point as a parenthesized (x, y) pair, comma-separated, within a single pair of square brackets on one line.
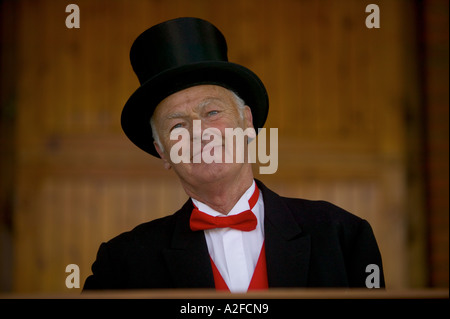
[(308, 244)]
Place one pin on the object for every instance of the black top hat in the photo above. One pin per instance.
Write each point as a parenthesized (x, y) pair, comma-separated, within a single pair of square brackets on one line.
[(178, 54)]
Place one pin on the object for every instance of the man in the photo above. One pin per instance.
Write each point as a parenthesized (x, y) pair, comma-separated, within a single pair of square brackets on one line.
[(233, 233)]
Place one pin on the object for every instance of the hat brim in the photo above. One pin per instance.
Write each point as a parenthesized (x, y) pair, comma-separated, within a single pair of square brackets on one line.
[(140, 106)]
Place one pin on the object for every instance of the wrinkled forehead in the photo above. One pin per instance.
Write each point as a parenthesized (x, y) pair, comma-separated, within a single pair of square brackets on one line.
[(191, 100)]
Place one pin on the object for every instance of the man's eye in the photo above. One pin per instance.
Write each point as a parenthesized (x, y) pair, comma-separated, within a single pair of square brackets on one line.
[(213, 113), (178, 125)]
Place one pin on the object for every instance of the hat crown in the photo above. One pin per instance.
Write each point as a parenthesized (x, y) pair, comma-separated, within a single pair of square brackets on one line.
[(176, 43)]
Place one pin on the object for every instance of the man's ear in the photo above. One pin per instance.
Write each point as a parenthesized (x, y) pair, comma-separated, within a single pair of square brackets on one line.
[(248, 117), (166, 163)]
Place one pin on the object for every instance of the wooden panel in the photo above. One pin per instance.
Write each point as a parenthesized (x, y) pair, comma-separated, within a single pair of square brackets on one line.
[(336, 91), (73, 216)]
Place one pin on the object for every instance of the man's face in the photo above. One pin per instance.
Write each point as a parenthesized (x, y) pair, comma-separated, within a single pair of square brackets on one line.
[(216, 108)]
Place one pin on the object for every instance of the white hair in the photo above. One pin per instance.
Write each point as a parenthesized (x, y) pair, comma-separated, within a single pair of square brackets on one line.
[(238, 101)]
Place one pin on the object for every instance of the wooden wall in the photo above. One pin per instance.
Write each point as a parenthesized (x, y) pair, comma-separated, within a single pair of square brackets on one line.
[(436, 80), (340, 95)]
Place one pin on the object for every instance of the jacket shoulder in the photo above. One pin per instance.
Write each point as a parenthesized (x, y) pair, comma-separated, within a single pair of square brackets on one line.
[(157, 231), (305, 210), (339, 237), (319, 211), (125, 260)]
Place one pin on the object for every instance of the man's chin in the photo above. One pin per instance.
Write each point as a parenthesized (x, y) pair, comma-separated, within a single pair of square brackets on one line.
[(210, 172)]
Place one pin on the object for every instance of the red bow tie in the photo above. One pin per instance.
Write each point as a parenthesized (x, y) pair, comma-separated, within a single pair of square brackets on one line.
[(245, 221)]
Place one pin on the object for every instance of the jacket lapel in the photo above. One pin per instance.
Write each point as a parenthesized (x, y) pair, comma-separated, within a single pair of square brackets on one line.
[(188, 258), (287, 248)]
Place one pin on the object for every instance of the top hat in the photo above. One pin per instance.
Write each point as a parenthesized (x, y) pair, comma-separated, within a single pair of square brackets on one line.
[(178, 54)]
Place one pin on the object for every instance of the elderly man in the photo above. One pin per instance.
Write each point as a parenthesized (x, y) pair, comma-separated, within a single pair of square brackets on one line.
[(233, 233)]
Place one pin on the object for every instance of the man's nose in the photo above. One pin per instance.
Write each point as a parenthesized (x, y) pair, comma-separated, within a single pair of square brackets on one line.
[(201, 131), (197, 127)]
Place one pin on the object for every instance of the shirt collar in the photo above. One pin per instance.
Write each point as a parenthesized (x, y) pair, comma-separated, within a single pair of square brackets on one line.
[(240, 206)]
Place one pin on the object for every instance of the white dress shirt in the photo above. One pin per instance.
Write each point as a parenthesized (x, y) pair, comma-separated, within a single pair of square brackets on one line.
[(235, 252)]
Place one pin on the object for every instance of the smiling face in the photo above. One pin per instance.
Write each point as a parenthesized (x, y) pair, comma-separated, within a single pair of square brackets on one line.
[(217, 109)]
